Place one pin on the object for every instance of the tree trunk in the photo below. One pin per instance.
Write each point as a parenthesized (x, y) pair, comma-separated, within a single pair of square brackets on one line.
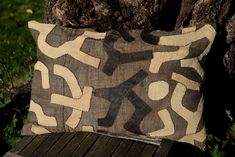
[(167, 15), (104, 15)]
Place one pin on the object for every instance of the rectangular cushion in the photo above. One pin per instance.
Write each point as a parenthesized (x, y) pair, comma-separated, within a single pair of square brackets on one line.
[(132, 84)]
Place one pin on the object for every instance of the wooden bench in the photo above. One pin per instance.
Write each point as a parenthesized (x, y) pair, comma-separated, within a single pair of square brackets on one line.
[(92, 144), (81, 144)]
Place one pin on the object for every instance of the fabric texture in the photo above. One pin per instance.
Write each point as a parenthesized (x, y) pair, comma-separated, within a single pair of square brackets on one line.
[(133, 84)]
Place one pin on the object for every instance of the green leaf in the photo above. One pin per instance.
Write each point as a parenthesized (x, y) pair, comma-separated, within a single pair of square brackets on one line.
[(11, 134), (231, 131), (4, 99), (216, 152), (229, 115)]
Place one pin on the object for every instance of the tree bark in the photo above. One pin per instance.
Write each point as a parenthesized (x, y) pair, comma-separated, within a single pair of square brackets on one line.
[(104, 15)]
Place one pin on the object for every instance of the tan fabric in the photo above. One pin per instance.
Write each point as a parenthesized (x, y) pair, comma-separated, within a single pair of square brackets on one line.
[(41, 117), (45, 74), (39, 130), (132, 84), (162, 57), (158, 90), (192, 118), (68, 47)]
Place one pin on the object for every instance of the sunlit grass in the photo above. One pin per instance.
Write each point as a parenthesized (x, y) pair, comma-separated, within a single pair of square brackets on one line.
[(17, 48)]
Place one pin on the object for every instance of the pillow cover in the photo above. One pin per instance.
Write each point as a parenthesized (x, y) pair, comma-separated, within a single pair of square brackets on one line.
[(135, 84)]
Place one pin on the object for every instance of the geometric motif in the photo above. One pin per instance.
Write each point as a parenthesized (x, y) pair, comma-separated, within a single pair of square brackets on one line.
[(139, 84)]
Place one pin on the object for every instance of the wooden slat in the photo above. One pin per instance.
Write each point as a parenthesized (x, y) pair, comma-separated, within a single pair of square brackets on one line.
[(46, 145), (73, 144), (22, 144), (96, 148), (60, 144), (9, 154), (30, 148), (107, 149), (87, 143), (164, 148), (148, 150), (135, 149), (123, 148)]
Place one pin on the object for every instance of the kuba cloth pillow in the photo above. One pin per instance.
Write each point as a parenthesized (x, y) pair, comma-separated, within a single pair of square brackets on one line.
[(132, 84)]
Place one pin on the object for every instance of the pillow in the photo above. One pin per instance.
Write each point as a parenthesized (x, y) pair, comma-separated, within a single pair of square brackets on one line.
[(132, 84)]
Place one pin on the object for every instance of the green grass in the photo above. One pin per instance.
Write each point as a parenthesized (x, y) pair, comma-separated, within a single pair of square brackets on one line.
[(17, 48), (17, 53)]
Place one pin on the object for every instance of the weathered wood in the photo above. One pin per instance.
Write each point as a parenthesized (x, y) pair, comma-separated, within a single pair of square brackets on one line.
[(108, 148), (148, 150), (81, 144), (60, 144), (122, 149), (183, 149), (33, 145), (164, 148), (73, 144), (22, 144), (46, 145), (9, 154), (135, 149), (86, 145), (95, 149)]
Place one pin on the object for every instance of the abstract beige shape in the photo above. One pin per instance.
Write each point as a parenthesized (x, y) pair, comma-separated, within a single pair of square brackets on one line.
[(94, 35), (69, 77), (158, 90), (184, 39), (190, 84), (74, 118), (80, 100), (192, 118), (41, 117), (169, 128), (161, 57), (193, 63), (82, 103), (200, 137), (44, 74), (72, 48), (39, 130), (88, 128), (189, 29)]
